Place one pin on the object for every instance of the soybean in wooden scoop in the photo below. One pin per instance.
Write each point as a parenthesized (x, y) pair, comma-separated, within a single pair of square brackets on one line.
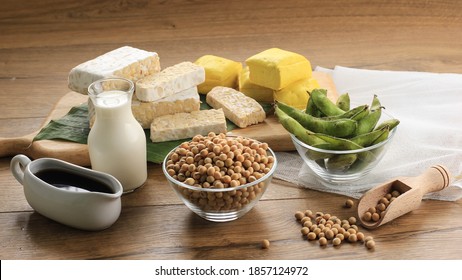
[(399, 196)]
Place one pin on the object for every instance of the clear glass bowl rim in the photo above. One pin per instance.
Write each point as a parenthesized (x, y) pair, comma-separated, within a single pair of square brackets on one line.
[(266, 176)]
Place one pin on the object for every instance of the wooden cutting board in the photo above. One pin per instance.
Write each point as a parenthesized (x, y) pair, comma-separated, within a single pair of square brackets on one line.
[(270, 131)]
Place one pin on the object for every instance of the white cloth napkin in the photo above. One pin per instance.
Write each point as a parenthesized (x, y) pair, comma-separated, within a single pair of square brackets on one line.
[(429, 106)]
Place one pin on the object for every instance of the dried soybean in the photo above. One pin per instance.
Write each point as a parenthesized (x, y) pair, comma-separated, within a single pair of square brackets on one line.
[(265, 244), (349, 203), (329, 229), (219, 162), (375, 213)]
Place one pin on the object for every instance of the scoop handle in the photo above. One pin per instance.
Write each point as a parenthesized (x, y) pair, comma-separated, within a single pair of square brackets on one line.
[(433, 179)]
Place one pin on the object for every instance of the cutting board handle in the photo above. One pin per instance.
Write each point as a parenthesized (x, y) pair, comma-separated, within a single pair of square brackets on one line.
[(15, 145)]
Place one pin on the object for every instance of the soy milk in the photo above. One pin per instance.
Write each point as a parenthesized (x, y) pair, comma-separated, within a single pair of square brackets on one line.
[(117, 143)]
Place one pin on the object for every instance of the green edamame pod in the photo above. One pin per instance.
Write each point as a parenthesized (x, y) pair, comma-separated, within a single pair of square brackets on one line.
[(368, 123), (367, 139), (291, 125), (383, 136), (363, 161), (311, 109), (343, 102), (375, 103), (324, 104), (391, 123), (315, 155), (340, 162), (361, 114), (351, 114), (336, 143), (339, 128)]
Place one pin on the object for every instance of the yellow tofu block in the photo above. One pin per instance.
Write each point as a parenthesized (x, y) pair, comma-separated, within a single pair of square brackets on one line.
[(296, 94), (219, 71), (276, 68), (259, 93)]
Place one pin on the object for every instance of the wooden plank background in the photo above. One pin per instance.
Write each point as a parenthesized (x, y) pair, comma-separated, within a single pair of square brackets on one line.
[(40, 41)]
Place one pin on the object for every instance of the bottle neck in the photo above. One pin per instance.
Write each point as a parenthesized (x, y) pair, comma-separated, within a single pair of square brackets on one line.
[(113, 106)]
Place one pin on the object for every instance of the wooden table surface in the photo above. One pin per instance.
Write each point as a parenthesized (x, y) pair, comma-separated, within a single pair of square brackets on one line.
[(42, 40)]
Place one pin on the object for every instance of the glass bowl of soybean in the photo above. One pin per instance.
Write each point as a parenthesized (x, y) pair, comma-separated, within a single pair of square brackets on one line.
[(343, 166), (219, 177)]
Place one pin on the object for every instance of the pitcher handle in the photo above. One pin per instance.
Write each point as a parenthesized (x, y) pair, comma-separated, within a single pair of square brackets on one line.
[(17, 165)]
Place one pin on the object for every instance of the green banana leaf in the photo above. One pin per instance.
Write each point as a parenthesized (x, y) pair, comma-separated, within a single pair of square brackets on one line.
[(74, 127)]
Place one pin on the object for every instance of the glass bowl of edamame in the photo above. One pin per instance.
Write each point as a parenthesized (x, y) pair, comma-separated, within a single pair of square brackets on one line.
[(219, 177), (338, 142), (342, 166)]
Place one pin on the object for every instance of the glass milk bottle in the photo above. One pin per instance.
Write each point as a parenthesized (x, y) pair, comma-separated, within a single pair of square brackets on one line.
[(117, 143)]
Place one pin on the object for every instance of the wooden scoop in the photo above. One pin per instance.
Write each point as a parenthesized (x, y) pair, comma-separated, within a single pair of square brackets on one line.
[(412, 190)]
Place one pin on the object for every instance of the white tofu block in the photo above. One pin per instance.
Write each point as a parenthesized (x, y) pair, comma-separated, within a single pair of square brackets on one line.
[(187, 125), (126, 62), (169, 81), (183, 102), (239, 108)]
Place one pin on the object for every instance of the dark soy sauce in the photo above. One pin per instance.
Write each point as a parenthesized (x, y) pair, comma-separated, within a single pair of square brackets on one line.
[(71, 181)]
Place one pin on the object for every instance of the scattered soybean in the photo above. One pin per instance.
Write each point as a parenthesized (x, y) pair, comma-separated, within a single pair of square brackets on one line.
[(265, 244), (370, 244), (329, 229), (322, 241), (336, 241), (349, 203)]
